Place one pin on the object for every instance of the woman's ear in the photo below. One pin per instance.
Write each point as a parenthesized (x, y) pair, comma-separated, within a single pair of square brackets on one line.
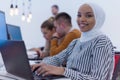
[(63, 25)]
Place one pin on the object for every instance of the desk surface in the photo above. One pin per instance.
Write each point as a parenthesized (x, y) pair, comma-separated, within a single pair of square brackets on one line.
[(6, 76)]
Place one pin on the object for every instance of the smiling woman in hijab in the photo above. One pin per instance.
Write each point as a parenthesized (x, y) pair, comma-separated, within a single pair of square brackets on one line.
[(90, 57)]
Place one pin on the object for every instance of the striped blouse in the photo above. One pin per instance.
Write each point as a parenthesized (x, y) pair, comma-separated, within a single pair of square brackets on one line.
[(90, 60)]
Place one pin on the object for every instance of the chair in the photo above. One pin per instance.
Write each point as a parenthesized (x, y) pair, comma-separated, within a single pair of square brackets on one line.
[(116, 73)]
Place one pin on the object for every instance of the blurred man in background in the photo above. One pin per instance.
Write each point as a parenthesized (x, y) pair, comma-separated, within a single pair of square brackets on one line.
[(54, 10)]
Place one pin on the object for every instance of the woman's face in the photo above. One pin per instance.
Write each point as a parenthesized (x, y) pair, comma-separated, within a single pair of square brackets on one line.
[(47, 33), (85, 18)]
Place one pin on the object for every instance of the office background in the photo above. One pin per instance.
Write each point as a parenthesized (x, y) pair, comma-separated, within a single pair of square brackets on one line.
[(41, 10)]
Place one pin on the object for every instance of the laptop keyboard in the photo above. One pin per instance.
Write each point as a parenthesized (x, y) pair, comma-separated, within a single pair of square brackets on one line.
[(39, 77), (51, 77)]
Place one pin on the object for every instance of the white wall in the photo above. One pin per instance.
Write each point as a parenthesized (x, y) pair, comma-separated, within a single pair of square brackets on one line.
[(41, 10)]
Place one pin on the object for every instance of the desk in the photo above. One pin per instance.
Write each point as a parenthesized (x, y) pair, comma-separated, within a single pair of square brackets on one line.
[(6, 76)]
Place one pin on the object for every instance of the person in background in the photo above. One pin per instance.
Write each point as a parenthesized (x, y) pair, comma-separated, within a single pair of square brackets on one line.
[(48, 29), (64, 34), (54, 10), (90, 57)]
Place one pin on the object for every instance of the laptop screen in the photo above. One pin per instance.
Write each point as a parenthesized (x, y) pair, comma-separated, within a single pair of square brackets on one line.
[(15, 58), (14, 32), (3, 29)]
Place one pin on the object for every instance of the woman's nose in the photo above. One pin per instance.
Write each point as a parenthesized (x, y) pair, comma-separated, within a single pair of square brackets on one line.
[(82, 18)]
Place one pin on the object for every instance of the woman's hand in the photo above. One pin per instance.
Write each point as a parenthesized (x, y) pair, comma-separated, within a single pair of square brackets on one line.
[(39, 52), (56, 35), (45, 69), (34, 67)]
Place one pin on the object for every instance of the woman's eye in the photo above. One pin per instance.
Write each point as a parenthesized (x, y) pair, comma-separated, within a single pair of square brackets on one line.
[(78, 15), (44, 33), (89, 15)]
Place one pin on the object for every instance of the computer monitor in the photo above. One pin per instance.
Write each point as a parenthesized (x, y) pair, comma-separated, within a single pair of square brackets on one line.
[(3, 28), (14, 32)]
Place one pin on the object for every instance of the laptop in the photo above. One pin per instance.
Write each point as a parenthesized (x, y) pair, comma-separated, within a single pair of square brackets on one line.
[(3, 28), (14, 32), (16, 60)]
